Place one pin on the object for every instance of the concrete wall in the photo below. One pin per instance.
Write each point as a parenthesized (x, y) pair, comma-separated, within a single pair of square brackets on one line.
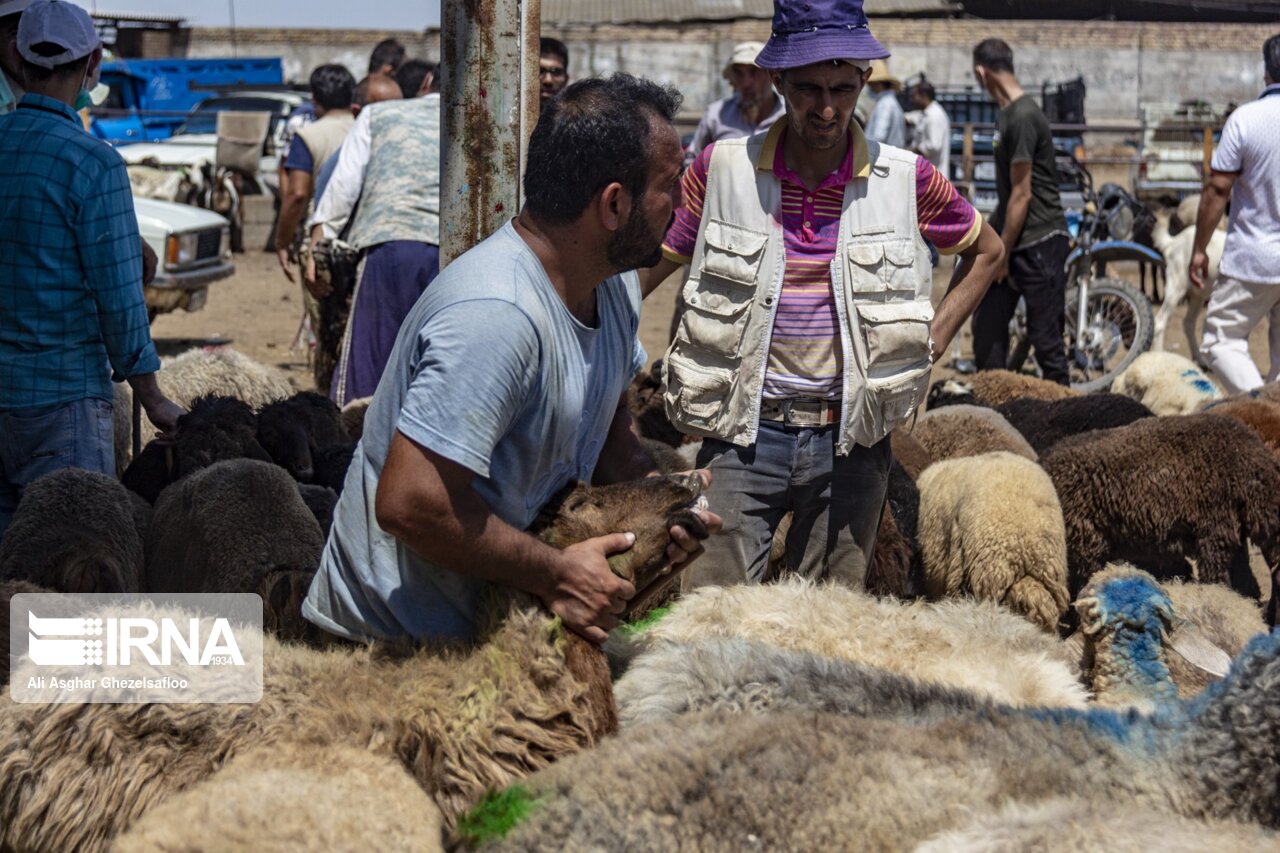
[(1123, 63), (303, 50)]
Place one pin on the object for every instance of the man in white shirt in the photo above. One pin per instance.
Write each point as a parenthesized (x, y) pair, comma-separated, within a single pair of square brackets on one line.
[(932, 137), (1246, 171)]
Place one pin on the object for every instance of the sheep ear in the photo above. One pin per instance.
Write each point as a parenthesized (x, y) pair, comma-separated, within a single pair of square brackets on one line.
[(1199, 651)]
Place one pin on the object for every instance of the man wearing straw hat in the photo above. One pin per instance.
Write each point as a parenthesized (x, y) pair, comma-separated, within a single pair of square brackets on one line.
[(754, 105), (887, 122), (809, 331)]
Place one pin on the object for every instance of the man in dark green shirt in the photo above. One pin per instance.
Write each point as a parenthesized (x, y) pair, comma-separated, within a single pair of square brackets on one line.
[(1030, 221)]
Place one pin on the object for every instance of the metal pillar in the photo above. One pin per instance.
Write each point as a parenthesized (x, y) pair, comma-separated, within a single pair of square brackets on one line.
[(489, 99)]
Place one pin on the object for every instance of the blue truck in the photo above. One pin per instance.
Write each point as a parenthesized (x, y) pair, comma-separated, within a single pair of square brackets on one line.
[(150, 98)]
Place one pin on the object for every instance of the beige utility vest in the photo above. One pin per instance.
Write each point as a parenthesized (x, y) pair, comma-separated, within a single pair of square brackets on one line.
[(881, 276), (324, 136)]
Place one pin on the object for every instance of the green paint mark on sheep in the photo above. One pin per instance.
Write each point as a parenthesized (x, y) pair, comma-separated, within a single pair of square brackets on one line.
[(497, 814), (644, 623)]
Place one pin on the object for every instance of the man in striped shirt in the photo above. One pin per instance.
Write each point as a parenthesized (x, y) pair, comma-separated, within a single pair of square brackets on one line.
[(845, 352)]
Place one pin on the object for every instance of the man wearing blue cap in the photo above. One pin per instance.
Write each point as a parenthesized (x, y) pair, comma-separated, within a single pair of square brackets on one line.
[(72, 312), (809, 331)]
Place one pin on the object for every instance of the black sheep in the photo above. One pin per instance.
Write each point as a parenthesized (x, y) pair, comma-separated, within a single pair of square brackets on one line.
[(215, 429), (329, 465), (1046, 422), (292, 430)]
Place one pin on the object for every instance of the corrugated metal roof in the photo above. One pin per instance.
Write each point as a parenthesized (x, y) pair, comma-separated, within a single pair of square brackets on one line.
[(138, 18), (569, 12)]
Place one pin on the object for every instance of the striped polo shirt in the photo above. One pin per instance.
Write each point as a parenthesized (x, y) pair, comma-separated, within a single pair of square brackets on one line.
[(804, 349)]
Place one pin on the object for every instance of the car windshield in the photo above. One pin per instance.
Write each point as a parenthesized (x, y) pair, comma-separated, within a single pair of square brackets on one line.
[(204, 118)]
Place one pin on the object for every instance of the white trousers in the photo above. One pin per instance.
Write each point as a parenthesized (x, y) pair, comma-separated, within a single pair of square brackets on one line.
[(1235, 308)]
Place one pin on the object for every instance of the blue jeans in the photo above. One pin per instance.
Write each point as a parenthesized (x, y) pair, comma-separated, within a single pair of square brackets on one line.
[(836, 503), (35, 442)]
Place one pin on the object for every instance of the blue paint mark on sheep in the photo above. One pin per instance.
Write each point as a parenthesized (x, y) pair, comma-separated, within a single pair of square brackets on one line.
[(1204, 386)]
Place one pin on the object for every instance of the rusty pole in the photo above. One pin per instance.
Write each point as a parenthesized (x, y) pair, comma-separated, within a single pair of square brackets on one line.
[(489, 104)]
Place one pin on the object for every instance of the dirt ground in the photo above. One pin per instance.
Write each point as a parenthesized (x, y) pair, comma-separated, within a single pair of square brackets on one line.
[(257, 312)]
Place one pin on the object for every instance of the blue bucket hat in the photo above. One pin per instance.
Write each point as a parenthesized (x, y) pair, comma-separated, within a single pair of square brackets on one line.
[(809, 31)]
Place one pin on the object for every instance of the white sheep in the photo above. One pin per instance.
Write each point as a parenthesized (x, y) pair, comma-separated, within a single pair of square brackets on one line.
[(991, 527), (972, 645), (221, 371), (1167, 384), (1177, 251), (967, 430), (294, 797)]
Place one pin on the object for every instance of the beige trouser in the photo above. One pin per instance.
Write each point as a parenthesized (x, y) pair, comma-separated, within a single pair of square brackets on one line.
[(1235, 309)]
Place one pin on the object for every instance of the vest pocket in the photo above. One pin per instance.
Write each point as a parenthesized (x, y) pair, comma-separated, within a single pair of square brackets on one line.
[(881, 265), (732, 252), (715, 315), (697, 394), (896, 336)]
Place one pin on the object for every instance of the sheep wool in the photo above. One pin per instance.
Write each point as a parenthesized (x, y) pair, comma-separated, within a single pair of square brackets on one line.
[(294, 797), (991, 527), (1167, 384), (1260, 415), (818, 781), (1079, 825), (223, 528), (75, 531), (964, 430), (994, 388), (1162, 490), (1046, 422), (971, 645)]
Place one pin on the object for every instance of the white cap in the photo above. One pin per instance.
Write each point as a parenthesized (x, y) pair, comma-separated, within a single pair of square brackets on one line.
[(13, 7), (56, 22), (744, 53)]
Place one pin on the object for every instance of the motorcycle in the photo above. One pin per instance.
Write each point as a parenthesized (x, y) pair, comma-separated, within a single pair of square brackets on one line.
[(1109, 322)]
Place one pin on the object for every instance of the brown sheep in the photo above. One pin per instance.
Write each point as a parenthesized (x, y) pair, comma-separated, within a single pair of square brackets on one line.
[(1161, 490), (995, 388), (909, 452), (893, 570), (1260, 415), (461, 721)]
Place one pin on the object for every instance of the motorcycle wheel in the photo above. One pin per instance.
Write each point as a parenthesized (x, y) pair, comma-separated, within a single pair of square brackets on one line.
[(1119, 329)]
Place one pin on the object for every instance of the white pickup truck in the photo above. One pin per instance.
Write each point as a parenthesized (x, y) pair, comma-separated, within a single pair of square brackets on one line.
[(194, 250)]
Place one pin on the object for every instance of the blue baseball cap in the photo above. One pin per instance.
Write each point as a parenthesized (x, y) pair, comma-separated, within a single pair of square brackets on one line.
[(809, 31), (58, 23)]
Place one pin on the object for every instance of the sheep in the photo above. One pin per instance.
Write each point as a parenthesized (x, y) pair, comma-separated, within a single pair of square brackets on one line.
[(8, 589), (1076, 825), (282, 592), (292, 430), (909, 452), (352, 417), (813, 781), (1177, 251), (972, 645), (224, 527), (993, 388), (197, 372), (1167, 384), (320, 500), (1163, 489), (965, 430), (74, 531), (976, 540), (670, 679), (1262, 416), (215, 429), (664, 457), (294, 797), (460, 720), (1199, 627), (892, 568), (1045, 422), (644, 402)]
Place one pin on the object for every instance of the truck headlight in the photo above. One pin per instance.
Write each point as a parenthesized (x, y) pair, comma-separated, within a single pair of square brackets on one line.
[(181, 249)]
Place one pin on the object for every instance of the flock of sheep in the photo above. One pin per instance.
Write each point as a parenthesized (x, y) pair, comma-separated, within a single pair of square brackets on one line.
[(1062, 646)]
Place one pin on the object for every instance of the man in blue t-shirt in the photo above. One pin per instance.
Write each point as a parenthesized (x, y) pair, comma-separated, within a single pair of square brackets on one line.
[(506, 382)]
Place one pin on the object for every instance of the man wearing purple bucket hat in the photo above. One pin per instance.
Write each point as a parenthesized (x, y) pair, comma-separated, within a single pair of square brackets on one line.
[(809, 332)]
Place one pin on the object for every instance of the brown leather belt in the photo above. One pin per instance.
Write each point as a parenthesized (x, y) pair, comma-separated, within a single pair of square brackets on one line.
[(801, 411)]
